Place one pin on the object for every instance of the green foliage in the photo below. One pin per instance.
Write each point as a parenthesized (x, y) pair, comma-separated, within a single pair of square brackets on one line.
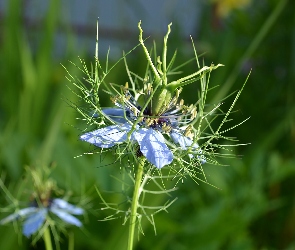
[(254, 207)]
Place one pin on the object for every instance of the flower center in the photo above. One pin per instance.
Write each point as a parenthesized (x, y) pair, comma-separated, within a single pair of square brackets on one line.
[(161, 123)]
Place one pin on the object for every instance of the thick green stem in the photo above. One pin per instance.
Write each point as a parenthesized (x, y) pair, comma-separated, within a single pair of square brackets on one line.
[(134, 204), (47, 239), (71, 241)]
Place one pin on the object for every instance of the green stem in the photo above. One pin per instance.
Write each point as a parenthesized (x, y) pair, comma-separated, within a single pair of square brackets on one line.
[(47, 239), (190, 78), (147, 54), (164, 59), (134, 204), (71, 241)]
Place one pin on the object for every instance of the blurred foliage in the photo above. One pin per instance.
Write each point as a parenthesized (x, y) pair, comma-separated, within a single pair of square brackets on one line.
[(255, 205)]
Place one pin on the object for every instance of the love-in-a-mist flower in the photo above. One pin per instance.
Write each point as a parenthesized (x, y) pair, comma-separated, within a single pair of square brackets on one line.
[(36, 214), (137, 120)]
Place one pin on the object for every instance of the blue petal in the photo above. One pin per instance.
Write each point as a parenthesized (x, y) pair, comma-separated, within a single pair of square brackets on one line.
[(153, 147), (67, 207), (66, 217), (34, 222), (21, 213), (185, 143), (182, 140), (107, 137), (116, 114)]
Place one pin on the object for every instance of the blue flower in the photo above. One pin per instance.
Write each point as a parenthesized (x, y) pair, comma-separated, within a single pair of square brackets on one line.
[(149, 129), (35, 215)]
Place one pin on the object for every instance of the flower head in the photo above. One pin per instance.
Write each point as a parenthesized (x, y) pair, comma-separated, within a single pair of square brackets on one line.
[(36, 214), (136, 120), (43, 206)]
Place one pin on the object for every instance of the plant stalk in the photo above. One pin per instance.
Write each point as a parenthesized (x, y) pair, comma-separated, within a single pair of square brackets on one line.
[(71, 241), (134, 204), (47, 239)]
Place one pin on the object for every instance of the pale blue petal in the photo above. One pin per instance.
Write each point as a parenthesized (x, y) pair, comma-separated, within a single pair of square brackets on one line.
[(153, 147), (26, 211), (185, 143), (34, 222), (67, 207), (116, 114), (66, 217), (9, 218), (107, 137), (182, 140), (19, 214)]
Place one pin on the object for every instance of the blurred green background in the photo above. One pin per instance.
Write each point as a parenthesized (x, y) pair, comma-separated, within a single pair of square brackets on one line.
[(255, 205)]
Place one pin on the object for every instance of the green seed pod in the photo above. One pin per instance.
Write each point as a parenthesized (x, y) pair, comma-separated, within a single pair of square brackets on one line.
[(161, 99)]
